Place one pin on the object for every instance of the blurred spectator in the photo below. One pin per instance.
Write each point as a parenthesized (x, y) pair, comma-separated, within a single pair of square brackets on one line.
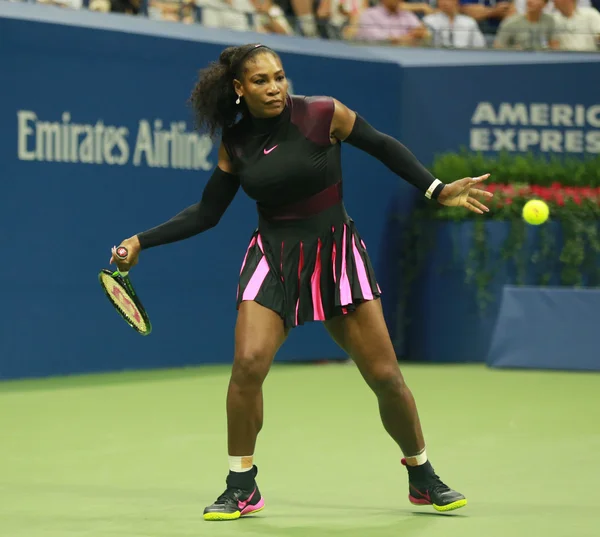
[(336, 17), (451, 29), (389, 22), (270, 17), (421, 7), (578, 28), (102, 6), (521, 5), (534, 30), (300, 15), (130, 7), (172, 10), (305, 15), (241, 15), (488, 13), (71, 4)]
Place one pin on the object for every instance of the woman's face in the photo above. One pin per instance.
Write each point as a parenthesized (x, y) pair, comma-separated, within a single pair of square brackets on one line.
[(263, 86)]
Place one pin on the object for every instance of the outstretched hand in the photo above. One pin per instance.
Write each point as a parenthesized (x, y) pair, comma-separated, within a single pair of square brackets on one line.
[(133, 248), (463, 193)]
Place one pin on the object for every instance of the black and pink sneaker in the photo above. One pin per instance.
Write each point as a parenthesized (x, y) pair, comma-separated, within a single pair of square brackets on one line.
[(426, 488), (241, 498)]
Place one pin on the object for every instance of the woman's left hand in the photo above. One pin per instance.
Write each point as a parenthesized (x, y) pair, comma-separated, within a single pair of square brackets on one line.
[(463, 193)]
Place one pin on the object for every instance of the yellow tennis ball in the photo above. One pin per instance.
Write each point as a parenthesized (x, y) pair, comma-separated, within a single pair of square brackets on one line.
[(535, 212)]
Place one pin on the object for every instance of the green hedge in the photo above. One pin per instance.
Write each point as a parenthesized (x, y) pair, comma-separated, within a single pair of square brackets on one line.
[(570, 186), (528, 168)]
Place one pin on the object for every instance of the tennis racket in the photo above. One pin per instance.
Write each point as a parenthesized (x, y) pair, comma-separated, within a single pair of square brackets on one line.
[(119, 290)]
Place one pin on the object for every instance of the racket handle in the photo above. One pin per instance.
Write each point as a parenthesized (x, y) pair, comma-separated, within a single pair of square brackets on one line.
[(122, 253)]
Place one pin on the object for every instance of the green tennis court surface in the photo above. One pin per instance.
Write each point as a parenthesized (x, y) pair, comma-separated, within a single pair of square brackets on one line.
[(141, 454)]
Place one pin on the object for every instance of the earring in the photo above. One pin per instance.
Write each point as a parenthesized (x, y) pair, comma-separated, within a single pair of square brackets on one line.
[(238, 100)]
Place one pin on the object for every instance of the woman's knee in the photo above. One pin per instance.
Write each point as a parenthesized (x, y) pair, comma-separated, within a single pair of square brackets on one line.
[(385, 380), (250, 367)]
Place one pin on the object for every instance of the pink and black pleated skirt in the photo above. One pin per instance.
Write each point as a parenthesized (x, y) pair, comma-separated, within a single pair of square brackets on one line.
[(308, 269)]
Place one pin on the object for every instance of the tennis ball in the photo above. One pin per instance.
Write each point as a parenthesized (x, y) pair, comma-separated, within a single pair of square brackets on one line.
[(535, 212)]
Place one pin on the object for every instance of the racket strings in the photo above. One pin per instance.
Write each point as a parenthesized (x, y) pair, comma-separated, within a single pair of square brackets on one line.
[(118, 295)]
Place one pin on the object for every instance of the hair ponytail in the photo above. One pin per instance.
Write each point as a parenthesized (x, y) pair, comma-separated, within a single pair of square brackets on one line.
[(213, 98)]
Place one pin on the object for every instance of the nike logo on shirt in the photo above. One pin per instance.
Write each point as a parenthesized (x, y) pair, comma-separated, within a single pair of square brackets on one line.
[(267, 151)]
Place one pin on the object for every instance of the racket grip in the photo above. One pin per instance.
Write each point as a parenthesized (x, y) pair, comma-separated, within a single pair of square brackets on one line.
[(122, 253)]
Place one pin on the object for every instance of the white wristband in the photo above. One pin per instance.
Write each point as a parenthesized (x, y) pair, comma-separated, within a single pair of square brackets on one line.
[(431, 188)]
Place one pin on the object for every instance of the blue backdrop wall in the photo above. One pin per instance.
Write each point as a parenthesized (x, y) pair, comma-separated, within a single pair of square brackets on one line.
[(64, 205), (88, 102)]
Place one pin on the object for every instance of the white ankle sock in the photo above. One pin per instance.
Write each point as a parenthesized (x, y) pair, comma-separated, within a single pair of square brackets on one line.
[(241, 464), (418, 459)]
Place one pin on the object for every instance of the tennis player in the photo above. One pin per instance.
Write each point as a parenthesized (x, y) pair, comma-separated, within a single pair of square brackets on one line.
[(306, 260)]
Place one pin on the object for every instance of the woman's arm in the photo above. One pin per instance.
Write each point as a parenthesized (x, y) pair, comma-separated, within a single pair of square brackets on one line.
[(347, 126), (216, 197)]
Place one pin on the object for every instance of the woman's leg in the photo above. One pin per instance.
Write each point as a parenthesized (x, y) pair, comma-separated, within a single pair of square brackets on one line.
[(259, 333), (364, 336)]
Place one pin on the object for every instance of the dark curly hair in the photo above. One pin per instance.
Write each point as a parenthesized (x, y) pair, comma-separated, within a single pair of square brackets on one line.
[(213, 97)]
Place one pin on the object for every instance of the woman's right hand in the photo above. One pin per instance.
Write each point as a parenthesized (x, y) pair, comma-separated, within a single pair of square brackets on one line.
[(133, 251)]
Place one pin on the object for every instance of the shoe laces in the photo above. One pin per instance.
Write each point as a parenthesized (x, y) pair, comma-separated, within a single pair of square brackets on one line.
[(437, 485), (231, 495)]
